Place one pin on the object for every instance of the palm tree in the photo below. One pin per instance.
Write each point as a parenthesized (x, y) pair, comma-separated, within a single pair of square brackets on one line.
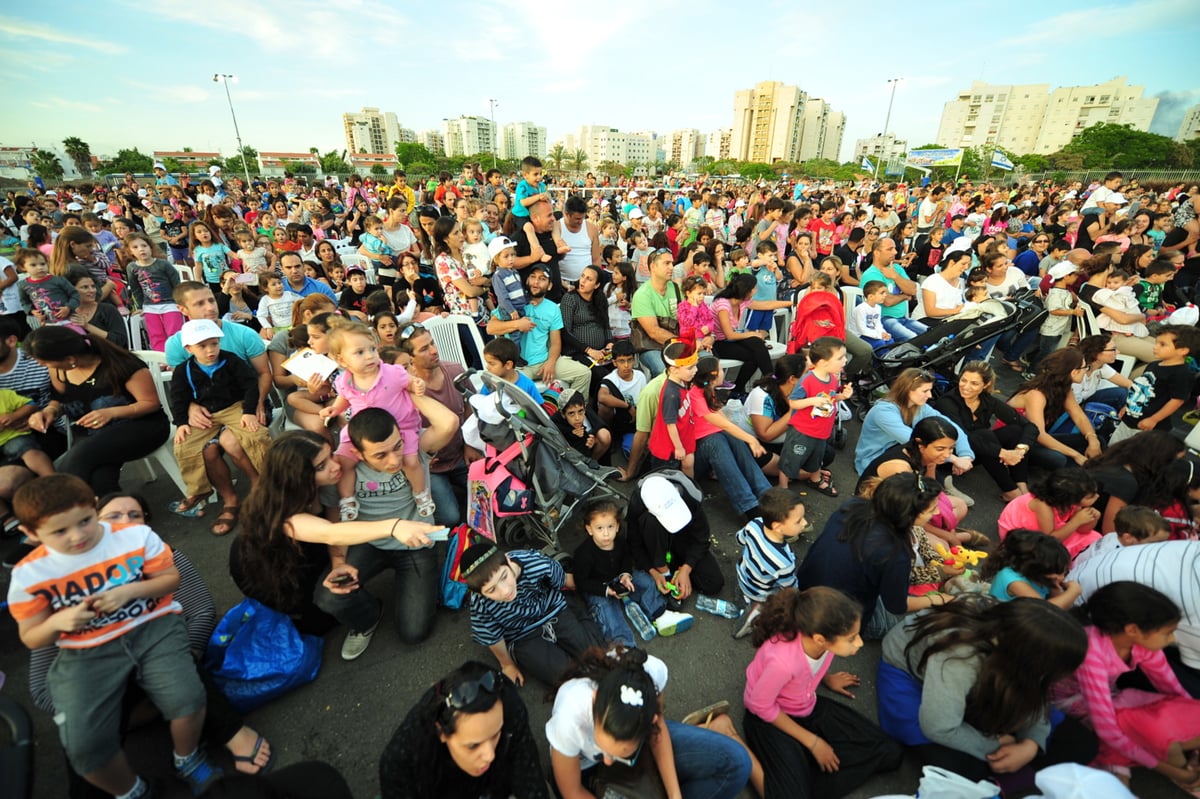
[(46, 165), (579, 161), (557, 155), (80, 153)]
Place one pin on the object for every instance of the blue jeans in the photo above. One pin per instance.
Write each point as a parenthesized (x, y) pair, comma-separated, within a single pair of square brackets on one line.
[(1114, 397), (735, 467), (609, 612), (414, 592), (1012, 346), (653, 361), (709, 764), (441, 488), (902, 328)]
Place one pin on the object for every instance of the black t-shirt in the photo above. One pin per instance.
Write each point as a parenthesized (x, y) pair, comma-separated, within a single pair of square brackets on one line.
[(547, 241), (1153, 389), (1114, 480), (354, 301), (173, 229)]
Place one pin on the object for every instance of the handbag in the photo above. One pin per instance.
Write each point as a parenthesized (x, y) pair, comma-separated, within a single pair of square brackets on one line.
[(642, 342), (453, 589)]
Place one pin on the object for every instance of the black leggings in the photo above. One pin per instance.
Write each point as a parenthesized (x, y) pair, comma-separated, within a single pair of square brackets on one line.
[(987, 445), (97, 458), (752, 352)]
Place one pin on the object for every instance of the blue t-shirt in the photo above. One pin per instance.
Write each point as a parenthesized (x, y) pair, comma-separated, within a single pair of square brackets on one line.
[(1027, 262), (524, 192), (524, 383), (1006, 577), (766, 284), (535, 345), (213, 261), (900, 309), (239, 340)]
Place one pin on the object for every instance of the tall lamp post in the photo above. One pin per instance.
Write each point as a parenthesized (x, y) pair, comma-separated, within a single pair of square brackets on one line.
[(887, 120), (492, 104), (226, 79)]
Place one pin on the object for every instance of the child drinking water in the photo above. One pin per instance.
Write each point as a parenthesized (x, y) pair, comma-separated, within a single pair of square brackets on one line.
[(1029, 563), (152, 282), (1130, 625), (1058, 504)]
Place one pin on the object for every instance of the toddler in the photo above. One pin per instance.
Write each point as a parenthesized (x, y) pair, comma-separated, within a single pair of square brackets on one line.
[(767, 563), (275, 307), (1030, 564), (1118, 293), (618, 292), (152, 283), (372, 245), (1062, 308), (252, 254), (48, 297), (696, 320), (506, 282), (868, 315)]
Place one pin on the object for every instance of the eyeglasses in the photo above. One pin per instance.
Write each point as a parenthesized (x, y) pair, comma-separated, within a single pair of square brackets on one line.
[(116, 516), (628, 761), (1109, 349), (468, 692), (411, 330)]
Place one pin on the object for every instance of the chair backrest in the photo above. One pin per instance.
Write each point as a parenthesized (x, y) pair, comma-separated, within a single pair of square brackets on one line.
[(363, 262), (1087, 322), (156, 361), (446, 335), (185, 273), (851, 296), (135, 331)]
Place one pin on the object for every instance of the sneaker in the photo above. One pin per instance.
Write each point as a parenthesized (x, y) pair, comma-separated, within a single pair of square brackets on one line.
[(745, 625), (670, 622), (199, 772), (954, 492), (425, 504), (673, 603), (357, 643), (347, 509)]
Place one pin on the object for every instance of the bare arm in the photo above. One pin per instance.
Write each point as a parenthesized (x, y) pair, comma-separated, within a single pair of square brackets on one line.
[(315, 530)]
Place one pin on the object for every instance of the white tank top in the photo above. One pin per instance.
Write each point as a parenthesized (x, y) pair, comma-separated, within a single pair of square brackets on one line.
[(572, 264)]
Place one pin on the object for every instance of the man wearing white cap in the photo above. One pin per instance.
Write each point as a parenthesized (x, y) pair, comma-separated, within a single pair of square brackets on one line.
[(669, 532)]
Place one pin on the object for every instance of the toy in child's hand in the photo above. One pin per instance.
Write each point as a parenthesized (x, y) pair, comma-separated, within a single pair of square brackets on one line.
[(955, 557)]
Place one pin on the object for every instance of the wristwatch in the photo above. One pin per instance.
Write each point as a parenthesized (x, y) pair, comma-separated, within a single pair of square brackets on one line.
[(1023, 447)]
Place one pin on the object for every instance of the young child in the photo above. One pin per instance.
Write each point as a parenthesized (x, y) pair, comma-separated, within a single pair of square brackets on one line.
[(355, 293), (767, 564), (1149, 290), (619, 292), (477, 260), (639, 254), (973, 295), (530, 189), (275, 308), (673, 437), (210, 257), (739, 261), (616, 398), (696, 320), (152, 283), (1059, 504), (519, 613), (366, 382), (582, 427), (1062, 308), (868, 315), (604, 574), (506, 282), (48, 297), (1130, 626), (227, 387), (252, 254), (105, 239), (372, 245), (1030, 564), (1161, 390), (104, 597), (767, 273), (814, 410), (16, 440), (798, 734), (1118, 293), (76, 248), (501, 358)]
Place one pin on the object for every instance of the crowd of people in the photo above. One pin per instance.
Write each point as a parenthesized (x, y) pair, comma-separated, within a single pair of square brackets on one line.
[(645, 320)]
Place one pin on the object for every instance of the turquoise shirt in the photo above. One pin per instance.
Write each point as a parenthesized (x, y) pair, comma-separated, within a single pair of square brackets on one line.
[(1006, 577)]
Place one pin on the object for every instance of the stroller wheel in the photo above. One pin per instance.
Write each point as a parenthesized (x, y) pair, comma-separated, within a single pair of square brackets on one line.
[(839, 438)]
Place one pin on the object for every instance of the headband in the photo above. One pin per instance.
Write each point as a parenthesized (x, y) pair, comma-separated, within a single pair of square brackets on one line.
[(490, 551), (684, 361)]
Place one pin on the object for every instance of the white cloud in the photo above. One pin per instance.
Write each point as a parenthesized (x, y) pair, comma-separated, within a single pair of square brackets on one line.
[(1112, 21), (170, 93), (22, 29), (61, 103)]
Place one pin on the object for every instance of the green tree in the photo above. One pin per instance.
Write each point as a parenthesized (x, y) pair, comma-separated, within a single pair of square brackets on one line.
[(409, 153), (378, 169), (172, 165), (245, 162), (1032, 162), (579, 161), (726, 166), (128, 160), (704, 163), (80, 153), (557, 155), (333, 162), (610, 168), (46, 165), (1111, 146), (751, 170)]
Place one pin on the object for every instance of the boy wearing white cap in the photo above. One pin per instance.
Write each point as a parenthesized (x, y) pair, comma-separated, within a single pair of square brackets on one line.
[(506, 281), (1062, 307), (669, 535)]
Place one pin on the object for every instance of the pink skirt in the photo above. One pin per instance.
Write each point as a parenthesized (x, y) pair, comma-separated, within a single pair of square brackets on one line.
[(944, 519), (1154, 727)]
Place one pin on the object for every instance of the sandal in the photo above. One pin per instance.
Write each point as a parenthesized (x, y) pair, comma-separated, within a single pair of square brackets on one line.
[(1016, 366), (228, 520), (824, 484), (975, 539), (188, 507), (250, 758), (702, 717)]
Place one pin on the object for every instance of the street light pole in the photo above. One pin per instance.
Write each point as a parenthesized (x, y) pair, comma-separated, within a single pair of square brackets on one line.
[(225, 79), (887, 121), (492, 104)]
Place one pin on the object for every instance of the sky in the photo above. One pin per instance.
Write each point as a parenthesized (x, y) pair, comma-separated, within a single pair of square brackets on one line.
[(121, 73)]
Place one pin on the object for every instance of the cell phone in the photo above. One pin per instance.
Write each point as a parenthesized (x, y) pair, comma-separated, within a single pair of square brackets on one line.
[(618, 588), (439, 535), (342, 579)]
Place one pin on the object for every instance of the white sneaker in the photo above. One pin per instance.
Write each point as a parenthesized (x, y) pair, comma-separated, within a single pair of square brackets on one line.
[(357, 643), (347, 509), (954, 492), (425, 504), (745, 625), (671, 622)]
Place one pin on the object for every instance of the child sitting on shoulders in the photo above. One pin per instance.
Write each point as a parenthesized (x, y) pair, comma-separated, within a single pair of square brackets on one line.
[(1059, 504), (767, 564), (1030, 564), (604, 574)]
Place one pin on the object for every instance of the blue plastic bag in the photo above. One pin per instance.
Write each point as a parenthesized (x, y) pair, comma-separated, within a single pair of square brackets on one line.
[(453, 588), (256, 655)]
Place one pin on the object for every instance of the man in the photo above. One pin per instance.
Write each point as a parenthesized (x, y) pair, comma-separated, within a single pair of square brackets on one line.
[(931, 209), (448, 468), (541, 250), (383, 492), (400, 188), (853, 251), (581, 236), (900, 290), (541, 344), (295, 281), (656, 298), (669, 534)]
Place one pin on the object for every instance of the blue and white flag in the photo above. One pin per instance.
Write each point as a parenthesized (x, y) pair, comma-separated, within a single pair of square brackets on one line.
[(867, 165), (1000, 161)]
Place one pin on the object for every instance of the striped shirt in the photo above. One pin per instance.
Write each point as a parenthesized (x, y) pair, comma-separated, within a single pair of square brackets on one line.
[(539, 599), (764, 567), (28, 378)]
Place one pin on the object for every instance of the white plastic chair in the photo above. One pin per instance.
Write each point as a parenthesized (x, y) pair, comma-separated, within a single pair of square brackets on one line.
[(1086, 324), (363, 262), (851, 296), (185, 273), (444, 330), (164, 456), (135, 330)]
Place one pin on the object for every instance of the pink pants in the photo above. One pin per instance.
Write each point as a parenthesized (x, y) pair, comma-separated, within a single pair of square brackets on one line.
[(1154, 727), (160, 327)]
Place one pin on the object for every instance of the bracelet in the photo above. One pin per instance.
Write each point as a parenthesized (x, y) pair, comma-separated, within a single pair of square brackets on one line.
[(395, 524)]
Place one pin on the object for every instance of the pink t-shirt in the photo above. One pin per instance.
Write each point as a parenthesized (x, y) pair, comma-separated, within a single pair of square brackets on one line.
[(736, 320), (1017, 515), (693, 318), (782, 679), (390, 392)]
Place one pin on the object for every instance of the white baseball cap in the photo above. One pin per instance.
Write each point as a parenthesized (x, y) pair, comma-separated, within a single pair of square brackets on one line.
[(1061, 270), (198, 330), (636, 213), (159, 165), (499, 245), (663, 500)]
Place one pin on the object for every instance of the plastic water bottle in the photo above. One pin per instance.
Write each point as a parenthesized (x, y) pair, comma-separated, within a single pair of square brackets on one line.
[(717, 607), (637, 617)]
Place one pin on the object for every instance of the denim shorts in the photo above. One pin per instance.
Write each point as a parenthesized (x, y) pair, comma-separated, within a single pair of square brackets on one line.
[(800, 453)]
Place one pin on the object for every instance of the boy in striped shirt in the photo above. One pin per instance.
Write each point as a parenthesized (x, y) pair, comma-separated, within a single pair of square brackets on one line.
[(767, 563), (104, 597)]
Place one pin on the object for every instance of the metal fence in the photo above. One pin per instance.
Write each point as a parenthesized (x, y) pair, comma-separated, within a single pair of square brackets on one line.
[(1141, 175)]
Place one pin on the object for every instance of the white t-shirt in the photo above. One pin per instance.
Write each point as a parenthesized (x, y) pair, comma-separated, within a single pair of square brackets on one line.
[(867, 321), (629, 389), (1014, 279), (1100, 195), (1093, 382), (945, 294), (926, 211), (759, 403), (571, 729)]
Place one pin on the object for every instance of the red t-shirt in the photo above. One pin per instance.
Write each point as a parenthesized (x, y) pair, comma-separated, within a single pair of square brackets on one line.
[(815, 421), (825, 236), (674, 407)]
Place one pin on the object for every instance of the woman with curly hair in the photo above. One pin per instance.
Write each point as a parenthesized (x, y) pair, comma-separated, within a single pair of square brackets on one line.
[(1047, 401)]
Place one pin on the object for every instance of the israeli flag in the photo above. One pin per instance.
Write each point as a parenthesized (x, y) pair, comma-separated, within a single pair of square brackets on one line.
[(1000, 161), (867, 165)]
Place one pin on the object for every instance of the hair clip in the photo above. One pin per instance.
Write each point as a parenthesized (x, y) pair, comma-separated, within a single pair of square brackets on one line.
[(631, 696)]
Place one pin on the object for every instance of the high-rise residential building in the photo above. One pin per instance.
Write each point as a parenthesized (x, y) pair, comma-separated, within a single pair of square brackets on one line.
[(433, 141), (685, 146), (821, 131), (1190, 127), (1031, 118), (469, 135), (406, 136), (641, 148), (606, 144), (767, 122), (880, 148), (371, 131), (522, 139), (720, 143), (835, 131)]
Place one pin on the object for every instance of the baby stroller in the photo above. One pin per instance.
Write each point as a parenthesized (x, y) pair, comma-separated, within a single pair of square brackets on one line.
[(530, 480), (941, 348)]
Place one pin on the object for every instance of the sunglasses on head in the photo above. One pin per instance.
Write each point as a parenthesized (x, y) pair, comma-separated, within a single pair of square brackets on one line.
[(411, 330), (466, 693), (660, 251)]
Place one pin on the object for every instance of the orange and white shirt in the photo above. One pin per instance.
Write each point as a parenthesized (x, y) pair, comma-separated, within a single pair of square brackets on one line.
[(48, 580)]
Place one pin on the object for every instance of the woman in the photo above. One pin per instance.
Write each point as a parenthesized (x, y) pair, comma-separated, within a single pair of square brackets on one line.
[(457, 288), (468, 735), (399, 236), (328, 258), (1048, 403), (95, 318), (586, 335), (717, 250), (968, 685), (237, 301), (1002, 282), (942, 292), (731, 306), (1002, 451), (354, 220), (423, 290), (866, 551), (1137, 258), (107, 395), (427, 217), (1097, 269), (1138, 233), (283, 547), (282, 347), (1127, 469), (1100, 352), (890, 421), (728, 450), (608, 723)]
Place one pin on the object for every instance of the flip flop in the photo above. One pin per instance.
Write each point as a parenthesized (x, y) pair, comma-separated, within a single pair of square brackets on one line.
[(188, 511), (702, 717), (226, 521), (249, 759)]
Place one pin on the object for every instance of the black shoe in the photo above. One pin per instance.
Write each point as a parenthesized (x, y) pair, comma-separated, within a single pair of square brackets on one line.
[(674, 603)]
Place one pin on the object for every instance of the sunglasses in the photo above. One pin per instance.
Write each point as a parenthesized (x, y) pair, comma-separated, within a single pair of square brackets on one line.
[(411, 330), (466, 693), (659, 252)]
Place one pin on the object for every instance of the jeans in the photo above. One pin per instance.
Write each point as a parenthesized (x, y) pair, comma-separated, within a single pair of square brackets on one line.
[(441, 488), (902, 328), (736, 470), (97, 458), (414, 596), (1113, 397), (1012, 346), (609, 612), (652, 360), (710, 765)]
